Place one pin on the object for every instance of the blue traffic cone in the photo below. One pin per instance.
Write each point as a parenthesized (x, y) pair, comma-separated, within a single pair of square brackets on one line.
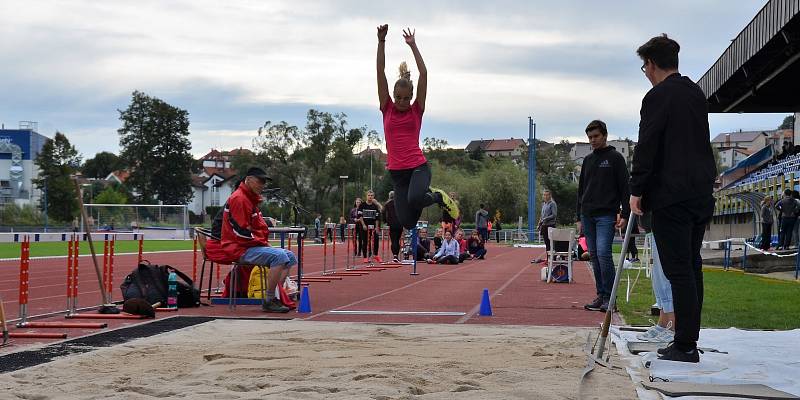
[(305, 303), (486, 306)]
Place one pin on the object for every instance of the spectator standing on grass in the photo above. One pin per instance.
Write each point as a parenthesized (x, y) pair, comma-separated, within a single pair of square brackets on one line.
[(795, 237), (673, 173), (602, 191), (788, 207), (664, 330), (767, 220), (482, 222)]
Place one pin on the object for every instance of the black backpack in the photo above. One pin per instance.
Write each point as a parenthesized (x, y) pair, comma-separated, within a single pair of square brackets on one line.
[(150, 282)]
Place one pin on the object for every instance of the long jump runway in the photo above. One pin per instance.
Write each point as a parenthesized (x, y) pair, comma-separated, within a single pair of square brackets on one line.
[(449, 294)]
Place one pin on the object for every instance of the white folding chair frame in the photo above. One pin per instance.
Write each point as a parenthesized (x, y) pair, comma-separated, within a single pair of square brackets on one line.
[(560, 235)]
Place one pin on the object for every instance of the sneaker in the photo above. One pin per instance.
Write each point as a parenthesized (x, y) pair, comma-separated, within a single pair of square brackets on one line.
[(604, 306), (366, 261), (595, 304), (664, 350), (674, 354), (650, 334), (634, 259), (274, 306), (445, 202), (395, 260), (378, 259), (665, 336)]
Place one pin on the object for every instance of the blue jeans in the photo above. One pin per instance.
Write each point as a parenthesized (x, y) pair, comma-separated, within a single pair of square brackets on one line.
[(599, 232), (662, 289), (269, 256), (483, 233)]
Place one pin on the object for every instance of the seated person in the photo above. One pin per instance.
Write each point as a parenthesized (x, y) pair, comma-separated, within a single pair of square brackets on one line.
[(475, 246), (448, 253), (245, 234), (437, 239), (423, 245), (462, 245)]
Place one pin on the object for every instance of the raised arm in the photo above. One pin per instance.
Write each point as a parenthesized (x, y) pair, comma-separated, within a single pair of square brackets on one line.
[(422, 82), (383, 86)]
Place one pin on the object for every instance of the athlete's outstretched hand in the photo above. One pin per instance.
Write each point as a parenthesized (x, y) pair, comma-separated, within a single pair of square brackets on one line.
[(382, 31), (408, 35)]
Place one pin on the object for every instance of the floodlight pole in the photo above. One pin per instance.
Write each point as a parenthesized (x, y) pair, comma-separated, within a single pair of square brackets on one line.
[(531, 178)]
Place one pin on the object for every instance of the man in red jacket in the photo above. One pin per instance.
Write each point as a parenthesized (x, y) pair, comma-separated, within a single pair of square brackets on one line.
[(245, 236)]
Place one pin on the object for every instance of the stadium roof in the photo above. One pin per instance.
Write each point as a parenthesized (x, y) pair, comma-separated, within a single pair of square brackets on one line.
[(758, 71)]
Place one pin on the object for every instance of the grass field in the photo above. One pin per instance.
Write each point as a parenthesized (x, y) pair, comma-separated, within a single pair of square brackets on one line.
[(43, 249), (732, 299)]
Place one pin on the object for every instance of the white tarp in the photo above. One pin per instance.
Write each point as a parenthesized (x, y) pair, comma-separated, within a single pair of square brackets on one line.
[(770, 358)]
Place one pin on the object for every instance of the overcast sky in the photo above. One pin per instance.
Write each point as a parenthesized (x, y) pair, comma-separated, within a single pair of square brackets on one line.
[(70, 64)]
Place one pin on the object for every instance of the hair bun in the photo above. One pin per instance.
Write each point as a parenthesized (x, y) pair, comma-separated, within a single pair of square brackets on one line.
[(404, 72)]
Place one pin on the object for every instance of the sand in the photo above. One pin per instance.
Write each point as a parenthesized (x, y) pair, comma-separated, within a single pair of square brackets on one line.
[(235, 359)]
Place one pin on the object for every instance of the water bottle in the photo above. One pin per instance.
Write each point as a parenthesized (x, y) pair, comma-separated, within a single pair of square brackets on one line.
[(172, 293)]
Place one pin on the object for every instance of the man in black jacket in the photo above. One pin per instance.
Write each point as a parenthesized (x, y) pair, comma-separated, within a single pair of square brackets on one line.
[(602, 191), (673, 175)]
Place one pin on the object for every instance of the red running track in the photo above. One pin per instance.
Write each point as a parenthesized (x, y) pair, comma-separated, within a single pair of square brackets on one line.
[(518, 297)]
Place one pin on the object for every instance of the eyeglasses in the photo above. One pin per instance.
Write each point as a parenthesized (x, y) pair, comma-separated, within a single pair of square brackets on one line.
[(644, 65)]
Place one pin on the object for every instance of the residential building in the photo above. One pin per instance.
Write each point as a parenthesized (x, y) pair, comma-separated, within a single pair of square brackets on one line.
[(216, 182), (580, 150), (513, 148), (750, 140), (731, 156), (18, 151)]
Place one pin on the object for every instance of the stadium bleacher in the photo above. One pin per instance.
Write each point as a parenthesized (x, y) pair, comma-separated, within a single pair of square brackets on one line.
[(783, 166)]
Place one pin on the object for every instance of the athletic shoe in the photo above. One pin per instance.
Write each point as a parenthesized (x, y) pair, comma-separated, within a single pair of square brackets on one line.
[(595, 304), (665, 336), (378, 259), (673, 354), (604, 306), (657, 334), (366, 261), (395, 260), (586, 256), (664, 350), (445, 202), (274, 306), (634, 260)]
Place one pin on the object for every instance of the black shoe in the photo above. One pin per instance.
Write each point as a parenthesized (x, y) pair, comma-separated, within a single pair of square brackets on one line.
[(667, 349), (274, 306), (604, 306), (595, 304), (673, 354)]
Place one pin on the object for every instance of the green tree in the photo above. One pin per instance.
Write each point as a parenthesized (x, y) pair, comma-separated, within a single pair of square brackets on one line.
[(57, 162), (433, 144), (101, 165), (111, 195), (788, 122), (155, 147), (306, 163)]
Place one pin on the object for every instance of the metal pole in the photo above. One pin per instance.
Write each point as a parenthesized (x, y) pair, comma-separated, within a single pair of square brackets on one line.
[(531, 178)]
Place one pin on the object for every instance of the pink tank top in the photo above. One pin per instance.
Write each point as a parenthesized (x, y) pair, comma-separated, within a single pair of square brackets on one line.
[(401, 130)]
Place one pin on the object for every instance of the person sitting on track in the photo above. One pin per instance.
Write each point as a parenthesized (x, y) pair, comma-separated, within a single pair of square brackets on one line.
[(423, 245), (448, 253), (475, 246), (462, 246), (245, 236)]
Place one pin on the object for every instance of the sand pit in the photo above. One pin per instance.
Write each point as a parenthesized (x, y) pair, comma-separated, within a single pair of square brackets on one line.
[(230, 359)]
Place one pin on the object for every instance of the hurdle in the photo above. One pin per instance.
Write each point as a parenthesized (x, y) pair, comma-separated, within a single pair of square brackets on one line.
[(24, 292)]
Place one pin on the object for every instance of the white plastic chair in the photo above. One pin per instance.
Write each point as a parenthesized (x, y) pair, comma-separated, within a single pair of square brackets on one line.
[(560, 235)]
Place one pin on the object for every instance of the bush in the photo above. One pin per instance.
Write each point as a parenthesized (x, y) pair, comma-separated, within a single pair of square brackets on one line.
[(14, 215)]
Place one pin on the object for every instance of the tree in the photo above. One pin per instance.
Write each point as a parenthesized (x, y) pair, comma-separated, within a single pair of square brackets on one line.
[(101, 165), (57, 162), (111, 195), (433, 144), (306, 163), (155, 147), (478, 154), (788, 122)]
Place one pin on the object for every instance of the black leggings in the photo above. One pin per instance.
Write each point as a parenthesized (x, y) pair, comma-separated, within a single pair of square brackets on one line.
[(395, 232), (411, 193), (366, 249)]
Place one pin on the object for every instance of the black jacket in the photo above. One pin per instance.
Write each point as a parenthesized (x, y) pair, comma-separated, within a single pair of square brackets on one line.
[(603, 186), (673, 161)]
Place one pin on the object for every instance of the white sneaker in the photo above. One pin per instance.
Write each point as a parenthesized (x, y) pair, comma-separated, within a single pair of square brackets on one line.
[(651, 334), (666, 335)]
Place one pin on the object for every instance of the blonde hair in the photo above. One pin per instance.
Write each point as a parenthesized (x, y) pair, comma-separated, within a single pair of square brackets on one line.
[(405, 78)]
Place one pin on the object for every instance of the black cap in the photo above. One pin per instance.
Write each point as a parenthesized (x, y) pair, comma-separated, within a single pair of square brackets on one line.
[(258, 173)]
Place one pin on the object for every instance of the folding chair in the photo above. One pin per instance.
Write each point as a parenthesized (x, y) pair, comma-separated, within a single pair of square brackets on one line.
[(203, 235), (562, 243)]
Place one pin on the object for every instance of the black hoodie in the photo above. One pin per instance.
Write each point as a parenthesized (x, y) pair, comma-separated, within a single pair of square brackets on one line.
[(673, 161), (603, 186)]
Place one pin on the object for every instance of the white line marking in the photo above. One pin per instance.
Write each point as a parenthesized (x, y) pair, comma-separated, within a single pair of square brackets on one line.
[(430, 313)]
